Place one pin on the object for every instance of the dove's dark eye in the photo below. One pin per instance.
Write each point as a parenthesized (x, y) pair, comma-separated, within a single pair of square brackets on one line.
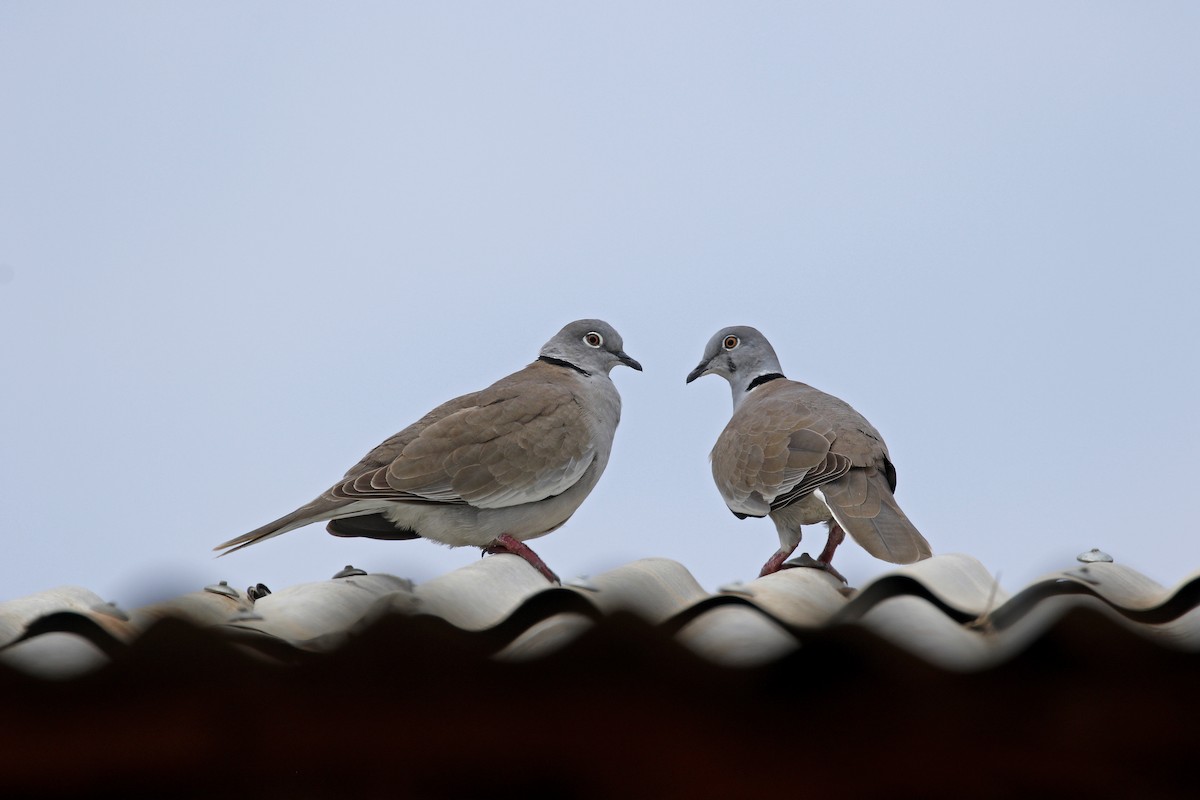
[(730, 342), (593, 339)]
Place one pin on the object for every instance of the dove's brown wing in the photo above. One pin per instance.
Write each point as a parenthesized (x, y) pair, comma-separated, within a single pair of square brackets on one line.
[(774, 450), (521, 440)]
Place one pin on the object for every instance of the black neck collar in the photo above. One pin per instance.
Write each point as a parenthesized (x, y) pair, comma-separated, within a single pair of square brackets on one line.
[(558, 362), (761, 379)]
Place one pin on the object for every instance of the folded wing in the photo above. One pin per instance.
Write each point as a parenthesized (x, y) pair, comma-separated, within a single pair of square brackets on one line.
[(505, 448), (774, 451)]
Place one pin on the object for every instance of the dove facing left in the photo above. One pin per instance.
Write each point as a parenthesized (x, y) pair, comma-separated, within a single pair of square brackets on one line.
[(491, 469), (801, 456)]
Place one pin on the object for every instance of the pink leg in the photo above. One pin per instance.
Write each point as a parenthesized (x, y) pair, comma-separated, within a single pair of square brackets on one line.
[(504, 543), (775, 562), (836, 537)]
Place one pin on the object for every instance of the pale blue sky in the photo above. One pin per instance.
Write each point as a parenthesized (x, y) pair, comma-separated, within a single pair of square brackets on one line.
[(242, 243)]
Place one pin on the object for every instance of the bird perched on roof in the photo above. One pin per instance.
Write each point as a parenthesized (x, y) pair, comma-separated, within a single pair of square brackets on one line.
[(801, 456), (490, 469)]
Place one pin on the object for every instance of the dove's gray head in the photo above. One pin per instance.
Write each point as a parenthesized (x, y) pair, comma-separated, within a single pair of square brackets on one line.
[(591, 345), (740, 355)]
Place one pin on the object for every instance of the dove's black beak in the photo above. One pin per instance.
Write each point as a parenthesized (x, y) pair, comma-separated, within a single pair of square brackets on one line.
[(697, 372), (625, 359)]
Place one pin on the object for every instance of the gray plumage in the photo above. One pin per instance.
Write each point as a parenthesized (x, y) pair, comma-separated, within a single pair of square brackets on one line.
[(492, 468), (802, 456)]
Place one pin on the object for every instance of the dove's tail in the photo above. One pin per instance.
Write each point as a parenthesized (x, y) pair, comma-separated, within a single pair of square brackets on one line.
[(316, 511), (863, 505)]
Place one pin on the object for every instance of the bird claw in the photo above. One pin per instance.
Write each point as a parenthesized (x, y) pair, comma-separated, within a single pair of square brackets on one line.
[(805, 560)]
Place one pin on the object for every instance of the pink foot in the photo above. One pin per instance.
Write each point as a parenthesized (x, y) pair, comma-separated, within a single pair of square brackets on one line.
[(825, 560), (504, 543), (776, 563)]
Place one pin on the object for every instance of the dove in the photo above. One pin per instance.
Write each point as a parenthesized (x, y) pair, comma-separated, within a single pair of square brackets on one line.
[(801, 456), (491, 469)]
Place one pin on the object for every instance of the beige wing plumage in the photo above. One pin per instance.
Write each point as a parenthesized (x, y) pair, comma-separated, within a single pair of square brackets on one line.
[(774, 450), (511, 444)]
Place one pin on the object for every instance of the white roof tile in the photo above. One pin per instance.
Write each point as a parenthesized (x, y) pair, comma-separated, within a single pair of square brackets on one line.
[(947, 610)]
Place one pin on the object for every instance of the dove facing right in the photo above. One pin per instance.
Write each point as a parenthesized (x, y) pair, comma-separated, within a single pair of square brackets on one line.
[(490, 469), (802, 456)]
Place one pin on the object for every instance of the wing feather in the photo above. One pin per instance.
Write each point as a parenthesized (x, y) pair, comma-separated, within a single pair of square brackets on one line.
[(519, 441), (774, 449)]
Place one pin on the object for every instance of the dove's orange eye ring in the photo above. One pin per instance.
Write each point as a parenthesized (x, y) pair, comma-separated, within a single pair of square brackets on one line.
[(730, 342), (593, 339)]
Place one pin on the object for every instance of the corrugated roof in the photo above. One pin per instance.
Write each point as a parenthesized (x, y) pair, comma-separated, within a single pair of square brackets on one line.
[(947, 610), (928, 681)]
